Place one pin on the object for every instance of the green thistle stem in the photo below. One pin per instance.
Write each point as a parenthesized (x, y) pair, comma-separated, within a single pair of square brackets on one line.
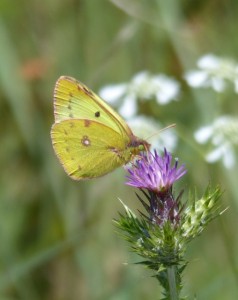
[(171, 272)]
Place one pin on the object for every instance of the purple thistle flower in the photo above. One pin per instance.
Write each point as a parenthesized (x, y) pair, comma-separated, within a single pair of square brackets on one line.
[(155, 173)]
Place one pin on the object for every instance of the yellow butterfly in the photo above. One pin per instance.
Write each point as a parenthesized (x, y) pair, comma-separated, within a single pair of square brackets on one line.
[(88, 136)]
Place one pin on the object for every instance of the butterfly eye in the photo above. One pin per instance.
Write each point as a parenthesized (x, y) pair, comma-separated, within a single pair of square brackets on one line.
[(97, 114)]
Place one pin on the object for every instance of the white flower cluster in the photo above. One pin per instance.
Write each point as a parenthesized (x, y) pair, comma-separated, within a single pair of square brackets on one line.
[(222, 134), (144, 87), (214, 72)]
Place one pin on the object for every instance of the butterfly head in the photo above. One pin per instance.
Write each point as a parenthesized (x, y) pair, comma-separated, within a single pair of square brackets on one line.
[(138, 145)]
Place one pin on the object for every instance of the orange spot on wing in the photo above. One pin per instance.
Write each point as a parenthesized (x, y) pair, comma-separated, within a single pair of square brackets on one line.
[(87, 123)]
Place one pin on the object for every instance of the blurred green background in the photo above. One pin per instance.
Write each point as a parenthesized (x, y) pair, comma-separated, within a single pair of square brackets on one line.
[(57, 239)]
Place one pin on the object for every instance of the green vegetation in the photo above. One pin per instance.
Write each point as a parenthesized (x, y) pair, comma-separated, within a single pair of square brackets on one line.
[(57, 239)]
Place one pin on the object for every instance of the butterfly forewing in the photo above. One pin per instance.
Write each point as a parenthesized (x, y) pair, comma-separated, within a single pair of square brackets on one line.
[(73, 100)]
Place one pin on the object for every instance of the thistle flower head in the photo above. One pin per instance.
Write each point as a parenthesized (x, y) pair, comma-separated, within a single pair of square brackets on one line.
[(155, 173), (161, 234)]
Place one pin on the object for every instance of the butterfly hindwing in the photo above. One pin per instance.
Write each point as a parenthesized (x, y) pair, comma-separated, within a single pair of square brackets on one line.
[(88, 149)]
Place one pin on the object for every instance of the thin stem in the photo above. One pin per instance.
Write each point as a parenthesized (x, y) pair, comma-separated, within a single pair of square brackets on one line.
[(171, 271)]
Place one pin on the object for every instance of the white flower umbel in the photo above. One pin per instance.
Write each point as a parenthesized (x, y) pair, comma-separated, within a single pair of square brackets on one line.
[(148, 129), (222, 136), (214, 72), (113, 93), (168, 89), (161, 87), (143, 87)]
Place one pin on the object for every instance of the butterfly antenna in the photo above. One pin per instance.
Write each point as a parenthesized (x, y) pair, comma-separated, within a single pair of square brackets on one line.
[(161, 130)]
